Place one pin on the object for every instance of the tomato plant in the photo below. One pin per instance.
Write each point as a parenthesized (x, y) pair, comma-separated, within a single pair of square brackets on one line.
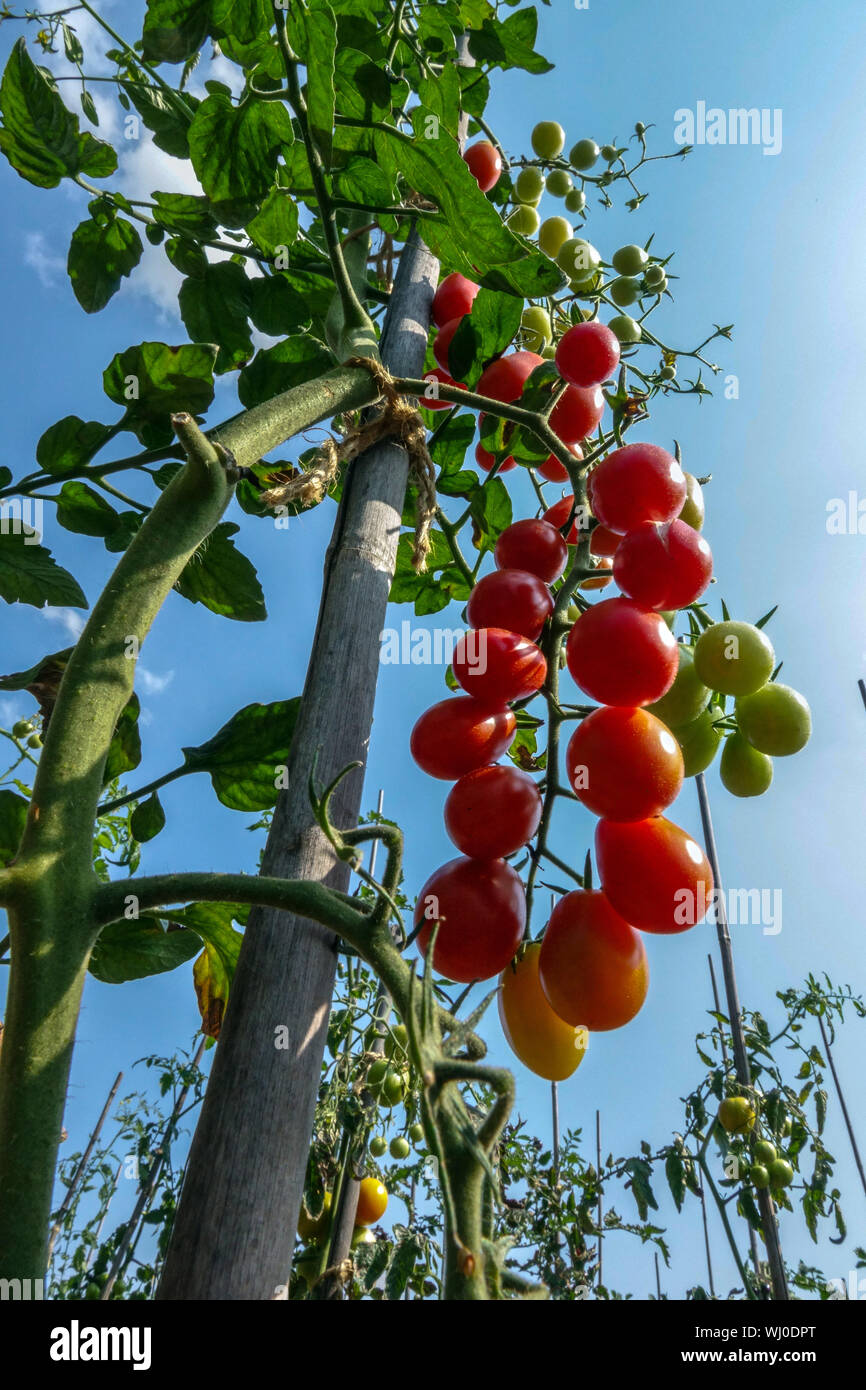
[(457, 735), (592, 966), (622, 654), (537, 1036), (510, 598), (654, 873), (479, 909), (493, 811), (624, 763)]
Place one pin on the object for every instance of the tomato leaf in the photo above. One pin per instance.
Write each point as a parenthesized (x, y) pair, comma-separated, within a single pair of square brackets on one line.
[(483, 334), (147, 820), (234, 149), (174, 29), (40, 138), (153, 380), (124, 752), (29, 575), (103, 250), (313, 35), (215, 308), (70, 444), (246, 755), (222, 579), (13, 814), (279, 368)]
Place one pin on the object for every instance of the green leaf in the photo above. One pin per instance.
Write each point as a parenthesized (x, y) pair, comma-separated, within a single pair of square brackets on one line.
[(483, 334), (174, 29), (363, 181), (245, 756), (28, 574), (222, 579), (313, 36), (449, 447), (215, 308), (820, 1109), (243, 20), (275, 225), (84, 511), (402, 1264), (187, 256), (13, 814), (278, 368), (640, 1171), (184, 212), (276, 308), (362, 88), (128, 523), (509, 43), (214, 970), (471, 237), (234, 149), (169, 125), (124, 752), (491, 513), (441, 94), (676, 1176), (103, 250), (40, 138), (153, 380), (134, 949), (70, 444), (147, 819)]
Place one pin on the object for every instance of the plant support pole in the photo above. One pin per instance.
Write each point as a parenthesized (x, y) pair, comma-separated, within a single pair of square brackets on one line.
[(82, 1166), (847, 1118)]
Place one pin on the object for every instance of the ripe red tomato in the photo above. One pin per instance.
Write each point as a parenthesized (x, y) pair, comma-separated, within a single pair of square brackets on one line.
[(457, 735), (496, 666), (600, 582), (587, 354), (624, 763), (663, 565), (532, 545), (442, 341), (593, 966), (432, 402), (505, 378), (481, 910), (638, 483), (486, 460), (536, 1035), (654, 873), (603, 542), (552, 471), (577, 412), (622, 654), (485, 163), (492, 811), (558, 515), (513, 599), (453, 298)]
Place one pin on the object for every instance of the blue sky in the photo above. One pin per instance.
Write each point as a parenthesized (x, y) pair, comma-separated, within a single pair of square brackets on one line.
[(772, 244)]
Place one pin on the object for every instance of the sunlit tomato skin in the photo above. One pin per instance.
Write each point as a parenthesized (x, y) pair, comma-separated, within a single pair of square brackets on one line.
[(372, 1201), (593, 966), (485, 163), (638, 483), (532, 545), (481, 910), (492, 811), (622, 654), (558, 515), (623, 763), (457, 735), (577, 413), (512, 599), (537, 1036), (603, 542), (442, 341), (486, 460), (495, 665), (587, 354), (505, 378), (663, 565), (453, 298), (432, 402), (654, 873)]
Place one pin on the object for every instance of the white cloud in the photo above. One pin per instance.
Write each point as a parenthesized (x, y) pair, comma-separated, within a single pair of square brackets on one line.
[(68, 618), (10, 709), (150, 683), (49, 267)]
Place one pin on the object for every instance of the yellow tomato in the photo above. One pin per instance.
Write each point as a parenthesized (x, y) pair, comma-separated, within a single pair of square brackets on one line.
[(372, 1201), (312, 1228), (536, 1035)]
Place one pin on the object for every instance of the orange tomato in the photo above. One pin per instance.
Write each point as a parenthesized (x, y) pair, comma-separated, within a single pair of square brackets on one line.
[(592, 966), (536, 1035), (372, 1201)]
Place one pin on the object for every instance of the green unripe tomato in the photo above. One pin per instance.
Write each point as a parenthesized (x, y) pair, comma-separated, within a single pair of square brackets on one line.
[(376, 1072), (623, 292), (575, 201), (92, 1291), (693, 509), (743, 770), (22, 728), (737, 1114), (759, 1176), (535, 327), (34, 741), (397, 1041), (764, 1151), (529, 185), (378, 1145), (362, 1235), (524, 220), (625, 328), (548, 139), (629, 260), (394, 1088), (775, 719), (306, 1264), (416, 1133), (653, 275), (549, 352), (699, 742), (660, 286), (608, 153), (687, 697), (668, 372), (734, 658), (559, 183), (781, 1173), (399, 1147), (553, 233), (579, 259), (583, 155)]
